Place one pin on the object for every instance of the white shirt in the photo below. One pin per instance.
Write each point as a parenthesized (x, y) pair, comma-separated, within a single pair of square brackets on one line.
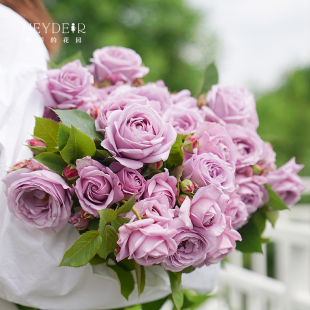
[(29, 257)]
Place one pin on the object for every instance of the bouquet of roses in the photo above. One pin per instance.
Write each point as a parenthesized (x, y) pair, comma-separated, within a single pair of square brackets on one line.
[(146, 176)]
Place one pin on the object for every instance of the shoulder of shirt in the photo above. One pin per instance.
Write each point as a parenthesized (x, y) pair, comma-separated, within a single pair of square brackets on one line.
[(22, 48)]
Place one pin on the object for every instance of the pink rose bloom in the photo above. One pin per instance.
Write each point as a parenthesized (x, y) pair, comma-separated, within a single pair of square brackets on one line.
[(131, 180), (183, 120), (162, 184), (145, 242), (206, 210), (226, 243), (213, 138), (183, 99), (233, 105), (40, 198), (138, 135), (117, 63), (151, 91), (209, 116), (268, 158), (249, 145), (192, 248), (69, 87), (237, 211), (155, 208), (286, 183), (97, 187), (252, 191), (119, 102), (207, 168)]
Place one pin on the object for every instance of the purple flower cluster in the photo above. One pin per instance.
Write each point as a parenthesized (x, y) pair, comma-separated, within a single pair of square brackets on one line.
[(179, 222)]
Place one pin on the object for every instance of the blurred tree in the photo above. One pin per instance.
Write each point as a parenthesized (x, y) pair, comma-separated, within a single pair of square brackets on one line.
[(164, 32), (284, 117)]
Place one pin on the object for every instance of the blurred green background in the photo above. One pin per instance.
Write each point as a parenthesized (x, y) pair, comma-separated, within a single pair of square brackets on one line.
[(176, 43)]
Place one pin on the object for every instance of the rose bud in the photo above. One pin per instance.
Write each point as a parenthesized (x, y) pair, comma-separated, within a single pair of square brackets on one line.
[(36, 146), (181, 198), (18, 166), (70, 173), (187, 186), (258, 169), (202, 101), (190, 144), (155, 166), (86, 215), (78, 221)]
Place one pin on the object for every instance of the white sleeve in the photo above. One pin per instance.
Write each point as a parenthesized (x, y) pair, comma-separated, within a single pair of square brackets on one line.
[(29, 257)]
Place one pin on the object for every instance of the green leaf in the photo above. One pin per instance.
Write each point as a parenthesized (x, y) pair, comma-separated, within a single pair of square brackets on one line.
[(20, 307), (79, 145), (193, 299), (127, 206), (97, 260), (176, 289), (271, 216), (106, 216), (154, 305), (80, 120), (63, 136), (77, 55), (93, 224), (120, 221), (140, 275), (251, 237), (210, 78), (47, 130), (274, 199), (259, 219), (52, 161), (109, 241), (188, 269), (176, 155), (82, 250), (125, 278), (102, 154)]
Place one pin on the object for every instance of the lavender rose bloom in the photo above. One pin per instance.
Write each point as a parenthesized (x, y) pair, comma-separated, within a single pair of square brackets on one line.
[(119, 102), (117, 63), (183, 99), (207, 168), (162, 184), (69, 87), (78, 221), (237, 211), (138, 135), (131, 180), (249, 145), (226, 243), (183, 120), (146, 242), (286, 183), (252, 191), (233, 105), (213, 138), (97, 186), (152, 91), (40, 198)]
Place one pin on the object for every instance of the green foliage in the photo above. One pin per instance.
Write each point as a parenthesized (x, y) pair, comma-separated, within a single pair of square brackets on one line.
[(157, 30), (284, 119), (47, 130), (63, 135), (154, 305), (127, 206), (77, 55), (176, 289), (52, 161), (20, 307), (120, 221), (79, 145), (210, 78), (192, 300), (140, 275), (125, 278), (82, 250), (274, 199), (80, 120), (109, 241), (176, 155)]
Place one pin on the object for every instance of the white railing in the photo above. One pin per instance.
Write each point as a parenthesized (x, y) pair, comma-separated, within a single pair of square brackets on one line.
[(252, 289)]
